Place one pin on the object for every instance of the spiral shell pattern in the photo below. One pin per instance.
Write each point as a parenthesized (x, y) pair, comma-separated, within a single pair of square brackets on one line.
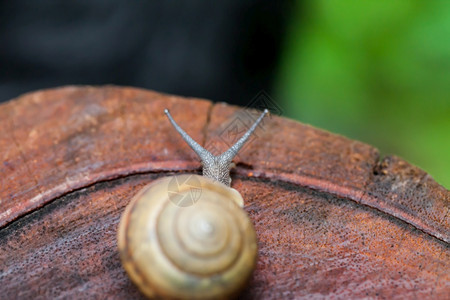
[(206, 250)]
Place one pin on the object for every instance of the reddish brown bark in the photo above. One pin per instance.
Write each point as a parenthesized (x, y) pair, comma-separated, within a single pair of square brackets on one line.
[(330, 218)]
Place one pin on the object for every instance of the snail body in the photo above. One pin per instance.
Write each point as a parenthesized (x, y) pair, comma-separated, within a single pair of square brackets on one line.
[(187, 236)]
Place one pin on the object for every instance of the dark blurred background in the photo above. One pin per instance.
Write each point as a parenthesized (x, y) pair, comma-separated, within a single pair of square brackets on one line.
[(376, 71), (221, 50)]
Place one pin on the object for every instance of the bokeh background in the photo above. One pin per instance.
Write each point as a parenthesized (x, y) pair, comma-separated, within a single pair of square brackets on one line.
[(375, 71)]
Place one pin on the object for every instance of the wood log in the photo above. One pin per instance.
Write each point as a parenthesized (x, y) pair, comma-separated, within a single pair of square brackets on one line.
[(333, 219)]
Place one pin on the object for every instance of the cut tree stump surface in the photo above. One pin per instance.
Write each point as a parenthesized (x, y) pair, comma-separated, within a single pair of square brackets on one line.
[(332, 220)]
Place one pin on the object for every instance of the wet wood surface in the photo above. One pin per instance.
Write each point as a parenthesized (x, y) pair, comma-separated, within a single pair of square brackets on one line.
[(332, 218)]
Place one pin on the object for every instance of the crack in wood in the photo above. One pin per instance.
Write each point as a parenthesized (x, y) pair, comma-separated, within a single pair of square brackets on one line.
[(206, 126)]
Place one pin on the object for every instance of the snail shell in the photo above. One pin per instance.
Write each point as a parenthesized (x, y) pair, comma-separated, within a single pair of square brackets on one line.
[(171, 249)]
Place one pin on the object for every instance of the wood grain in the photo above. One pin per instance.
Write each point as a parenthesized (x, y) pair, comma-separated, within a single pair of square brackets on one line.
[(332, 219)]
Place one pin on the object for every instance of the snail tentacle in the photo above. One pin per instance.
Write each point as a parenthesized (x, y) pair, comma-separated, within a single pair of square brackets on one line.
[(216, 167), (228, 155), (201, 152)]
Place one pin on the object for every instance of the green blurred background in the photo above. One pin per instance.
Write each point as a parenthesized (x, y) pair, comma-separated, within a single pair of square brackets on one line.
[(375, 71)]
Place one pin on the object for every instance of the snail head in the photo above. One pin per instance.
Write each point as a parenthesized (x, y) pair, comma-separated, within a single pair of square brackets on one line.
[(216, 167)]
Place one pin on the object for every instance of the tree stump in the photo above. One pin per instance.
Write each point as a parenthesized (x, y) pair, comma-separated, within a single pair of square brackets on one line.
[(332, 219)]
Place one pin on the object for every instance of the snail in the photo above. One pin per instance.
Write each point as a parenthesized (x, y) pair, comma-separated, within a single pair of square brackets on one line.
[(187, 236)]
